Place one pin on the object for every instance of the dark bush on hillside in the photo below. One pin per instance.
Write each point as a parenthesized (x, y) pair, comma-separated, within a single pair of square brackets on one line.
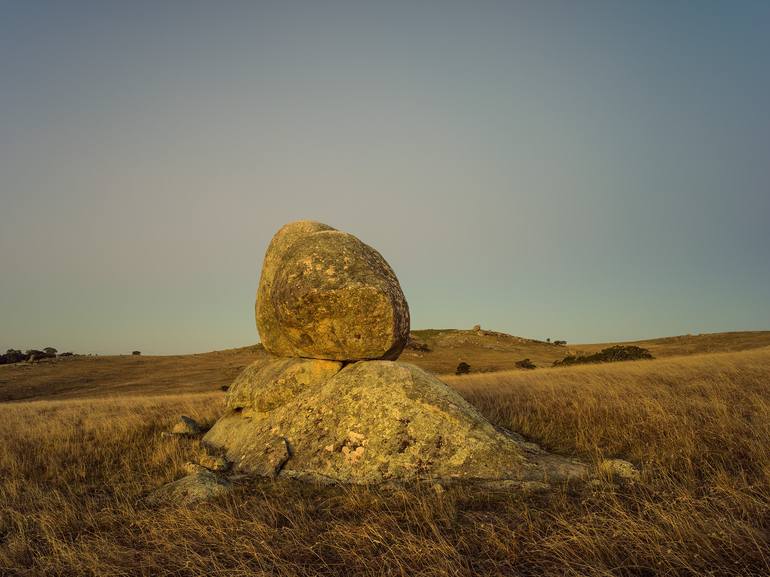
[(50, 351), (463, 368), (560, 343), (525, 364), (14, 356), (608, 355), (136, 353)]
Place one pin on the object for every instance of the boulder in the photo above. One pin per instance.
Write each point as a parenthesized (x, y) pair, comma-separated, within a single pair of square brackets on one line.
[(377, 421), (271, 381), (325, 294)]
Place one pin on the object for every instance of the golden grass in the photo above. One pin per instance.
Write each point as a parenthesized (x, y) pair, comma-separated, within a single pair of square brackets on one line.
[(72, 475), (92, 377)]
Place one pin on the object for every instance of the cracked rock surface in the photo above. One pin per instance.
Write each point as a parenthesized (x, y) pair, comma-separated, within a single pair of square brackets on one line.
[(376, 421), (324, 294)]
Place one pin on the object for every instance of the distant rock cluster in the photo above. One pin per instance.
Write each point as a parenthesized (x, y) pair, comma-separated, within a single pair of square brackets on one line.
[(331, 403)]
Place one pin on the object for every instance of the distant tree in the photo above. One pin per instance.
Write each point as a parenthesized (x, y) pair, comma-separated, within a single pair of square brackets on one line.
[(561, 343), (525, 364), (548, 340), (50, 351), (14, 356), (136, 353), (463, 368)]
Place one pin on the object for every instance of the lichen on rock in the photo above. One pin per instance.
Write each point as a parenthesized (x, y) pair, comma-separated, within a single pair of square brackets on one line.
[(380, 420), (271, 381), (325, 294)]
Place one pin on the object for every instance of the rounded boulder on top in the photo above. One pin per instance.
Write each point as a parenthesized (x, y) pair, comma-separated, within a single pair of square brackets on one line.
[(324, 294)]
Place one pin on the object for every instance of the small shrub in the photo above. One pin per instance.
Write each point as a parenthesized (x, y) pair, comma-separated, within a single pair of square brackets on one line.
[(463, 368), (525, 364), (136, 353), (560, 343)]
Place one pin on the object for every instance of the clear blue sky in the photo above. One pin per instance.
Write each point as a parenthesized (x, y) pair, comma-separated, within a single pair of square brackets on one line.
[(578, 170)]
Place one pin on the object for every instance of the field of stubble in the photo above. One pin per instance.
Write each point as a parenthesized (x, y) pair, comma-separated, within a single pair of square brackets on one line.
[(73, 474)]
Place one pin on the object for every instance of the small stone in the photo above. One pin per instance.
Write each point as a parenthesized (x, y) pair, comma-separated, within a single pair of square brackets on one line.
[(194, 488), (620, 469), (213, 462), (187, 426), (191, 468)]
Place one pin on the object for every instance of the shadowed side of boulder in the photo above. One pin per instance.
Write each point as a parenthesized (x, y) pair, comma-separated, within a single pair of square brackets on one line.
[(267, 323)]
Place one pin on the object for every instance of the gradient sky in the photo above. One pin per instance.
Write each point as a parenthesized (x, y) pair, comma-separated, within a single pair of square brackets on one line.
[(587, 171)]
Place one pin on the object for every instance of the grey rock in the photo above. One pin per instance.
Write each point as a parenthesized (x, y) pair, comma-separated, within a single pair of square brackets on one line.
[(376, 421), (200, 485), (187, 427)]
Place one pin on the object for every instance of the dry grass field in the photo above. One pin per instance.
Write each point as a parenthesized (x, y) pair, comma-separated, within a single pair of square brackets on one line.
[(73, 474), (97, 376)]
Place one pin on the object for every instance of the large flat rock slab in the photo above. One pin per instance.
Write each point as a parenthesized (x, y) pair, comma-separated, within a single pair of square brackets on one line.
[(378, 421)]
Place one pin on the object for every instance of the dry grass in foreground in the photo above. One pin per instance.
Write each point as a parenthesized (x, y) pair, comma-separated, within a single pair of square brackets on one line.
[(72, 474)]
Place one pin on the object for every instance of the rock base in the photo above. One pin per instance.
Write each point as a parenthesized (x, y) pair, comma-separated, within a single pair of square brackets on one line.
[(379, 421)]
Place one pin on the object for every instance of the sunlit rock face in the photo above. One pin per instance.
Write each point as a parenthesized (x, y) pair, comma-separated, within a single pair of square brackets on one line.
[(377, 421), (325, 294)]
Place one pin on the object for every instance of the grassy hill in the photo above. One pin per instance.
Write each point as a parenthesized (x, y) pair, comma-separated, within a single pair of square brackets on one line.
[(485, 351), (73, 474)]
